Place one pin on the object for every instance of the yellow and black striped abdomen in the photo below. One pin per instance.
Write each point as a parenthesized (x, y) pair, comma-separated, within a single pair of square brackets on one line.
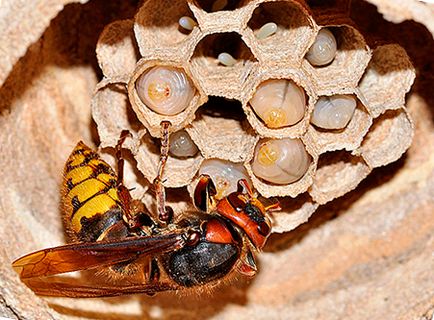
[(89, 197)]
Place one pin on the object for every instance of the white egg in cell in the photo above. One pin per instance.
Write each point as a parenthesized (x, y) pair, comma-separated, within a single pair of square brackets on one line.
[(279, 103), (323, 50), (267, 30), (280, 161), (187, 23), (165, 90), (226, 59), (334, 112), (181, 145), (225, 175)]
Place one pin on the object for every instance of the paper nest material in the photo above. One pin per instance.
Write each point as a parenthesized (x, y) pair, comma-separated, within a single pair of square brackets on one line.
[(379, 132)]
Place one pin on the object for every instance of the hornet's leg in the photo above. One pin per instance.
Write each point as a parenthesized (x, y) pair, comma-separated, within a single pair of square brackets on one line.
[(165, 213), (120, 160), (133, 209)]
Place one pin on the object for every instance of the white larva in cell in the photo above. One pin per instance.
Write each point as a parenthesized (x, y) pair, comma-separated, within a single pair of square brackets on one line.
[(280, 161), (226, 59), (225, 175), (266, 30), (181, 145), (279, 103), (187, 23), (323, 50), (334, 112), (165, 90)]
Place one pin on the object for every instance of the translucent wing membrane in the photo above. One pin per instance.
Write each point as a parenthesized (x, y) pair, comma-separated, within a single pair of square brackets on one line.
[(82, 256), (59, 286)]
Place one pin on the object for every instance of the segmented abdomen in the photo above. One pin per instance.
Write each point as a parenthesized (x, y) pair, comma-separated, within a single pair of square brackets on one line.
[(89, 198)]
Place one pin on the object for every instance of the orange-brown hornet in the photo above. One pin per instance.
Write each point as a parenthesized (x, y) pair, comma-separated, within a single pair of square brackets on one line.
[(130, 247)]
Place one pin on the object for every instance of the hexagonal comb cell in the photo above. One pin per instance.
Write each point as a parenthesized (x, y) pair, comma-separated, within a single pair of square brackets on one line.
[(295, 211), (117, 51), (111, 98), (178, 171), (279, 102), (389, 137), (387, 79), (218, 121), (286, 40), (281, 167), (222, 62), (338, 172), (158, 30), (348, 64), (349, 137), (164, 91), (181, 145)]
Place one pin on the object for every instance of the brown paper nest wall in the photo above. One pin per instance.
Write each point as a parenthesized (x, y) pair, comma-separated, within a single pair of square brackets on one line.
[(323, 269)]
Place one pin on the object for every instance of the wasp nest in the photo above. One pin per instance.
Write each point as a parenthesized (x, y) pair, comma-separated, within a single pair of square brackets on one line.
[(296, 103)]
